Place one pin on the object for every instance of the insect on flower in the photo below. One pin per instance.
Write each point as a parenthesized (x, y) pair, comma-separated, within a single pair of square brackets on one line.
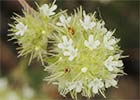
[(67, 70), (71, 30)]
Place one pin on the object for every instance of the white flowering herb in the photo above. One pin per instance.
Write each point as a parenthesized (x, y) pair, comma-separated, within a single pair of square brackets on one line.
[(87, 23), (86, 59), (90, 43), (64, 21), (21, 29), (110, 63), (48, 11)]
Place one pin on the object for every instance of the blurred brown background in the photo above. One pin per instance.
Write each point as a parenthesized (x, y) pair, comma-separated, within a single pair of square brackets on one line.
[(120, 14)]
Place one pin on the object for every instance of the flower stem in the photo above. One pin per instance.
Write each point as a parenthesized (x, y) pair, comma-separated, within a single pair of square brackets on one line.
[(26, 6)]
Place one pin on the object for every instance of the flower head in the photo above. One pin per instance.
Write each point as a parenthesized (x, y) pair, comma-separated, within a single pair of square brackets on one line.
[(110, 63), (64, 21), (21, 29), (96, 84), (86, 23), (90, 43), (48, 11)]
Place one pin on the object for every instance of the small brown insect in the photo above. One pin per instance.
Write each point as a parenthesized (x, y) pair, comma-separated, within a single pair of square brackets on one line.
[(66, 70), (71, 30)]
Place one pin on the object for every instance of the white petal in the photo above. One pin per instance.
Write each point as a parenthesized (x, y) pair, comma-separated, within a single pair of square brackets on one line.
[(62, 18), (97, 42), (70, 41), (119, 63), (78, 89), (69, 19), (94, 89), (53, 7), (17, 33), (90, 38), (64, 39), (86, 43), (110, 68), (87, 19), (84, 69), (60, 45), (71, 58), (59, 24), (92, 24), (66, 53)]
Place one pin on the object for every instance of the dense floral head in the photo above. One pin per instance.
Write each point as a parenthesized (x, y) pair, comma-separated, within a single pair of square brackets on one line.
[(87, 57), (83, 56), (32, 31)]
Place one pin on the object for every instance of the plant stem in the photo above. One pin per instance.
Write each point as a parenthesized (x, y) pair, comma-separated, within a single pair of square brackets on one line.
[(26, 6)]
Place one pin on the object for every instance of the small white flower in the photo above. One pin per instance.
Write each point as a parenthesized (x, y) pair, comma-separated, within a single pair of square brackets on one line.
[(72, 53), (3, 84), (68, 49), (109, 40), (110, 64), (48, 11), (96, 84), (21, 29), (84, 69), (66, 43), (87, 24), (111, 82), (63, 21), (77, 86), (100, 26), (90, 43)]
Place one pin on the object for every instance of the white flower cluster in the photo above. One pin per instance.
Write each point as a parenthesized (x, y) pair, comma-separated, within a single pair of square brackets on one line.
[(96, 85), (111, 63), (108, 40), (90, 57), (44, 9)]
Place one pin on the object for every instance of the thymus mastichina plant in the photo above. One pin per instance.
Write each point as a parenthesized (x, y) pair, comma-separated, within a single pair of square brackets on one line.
[(84, 56)]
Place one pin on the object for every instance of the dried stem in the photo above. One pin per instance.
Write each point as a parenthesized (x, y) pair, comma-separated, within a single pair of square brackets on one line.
[(26, 6)]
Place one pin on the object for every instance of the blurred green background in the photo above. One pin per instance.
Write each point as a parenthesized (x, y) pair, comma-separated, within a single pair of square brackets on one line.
[(122, 15)]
